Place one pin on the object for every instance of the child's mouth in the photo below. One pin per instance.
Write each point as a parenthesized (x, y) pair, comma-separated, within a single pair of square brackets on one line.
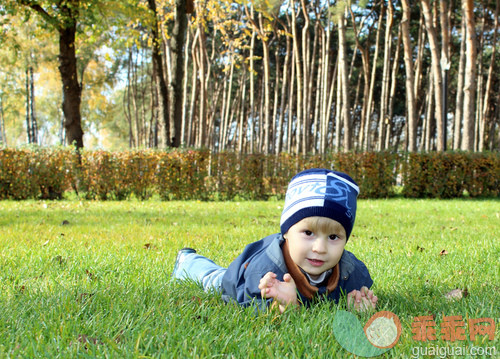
[(315, 262)]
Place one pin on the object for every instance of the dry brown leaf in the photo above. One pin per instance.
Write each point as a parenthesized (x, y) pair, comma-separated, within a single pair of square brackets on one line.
[(90, 274), (457, 294), (85, 340), (84, 296), (443, 252)]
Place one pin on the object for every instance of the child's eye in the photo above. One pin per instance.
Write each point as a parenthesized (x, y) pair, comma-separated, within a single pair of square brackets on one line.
[(308, 233), (334, 237)]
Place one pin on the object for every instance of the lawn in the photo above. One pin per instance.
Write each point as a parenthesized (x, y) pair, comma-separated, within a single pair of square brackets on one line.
[(91, 279)]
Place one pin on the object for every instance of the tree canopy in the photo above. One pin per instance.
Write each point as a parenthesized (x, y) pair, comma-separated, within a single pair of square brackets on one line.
[(297, 76)]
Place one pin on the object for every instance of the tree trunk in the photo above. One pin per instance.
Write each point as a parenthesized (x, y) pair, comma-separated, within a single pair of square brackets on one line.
[(470, 76), (66, 26), (284, 86), (306, 79), (367, 89), (266, 63), (486, 105), (338, 106), (346, 107), (299, 92), (72, 92), (459, 105), (3, 137), (185, 86), (161, 85), (369, 106), (392, 92), (384, 99), (436, 72), (410, 95), (251, 119), (444, 15), (177, 46), (203, 126)]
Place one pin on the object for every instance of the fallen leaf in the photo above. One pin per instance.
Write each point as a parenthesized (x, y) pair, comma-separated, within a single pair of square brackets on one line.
[(453, 229), (457, 294), (421, 249), (196, 299), (59, 259), (65, 222), (85, 339), (90, 274), (443, 252), (84, 296), (147, 245)]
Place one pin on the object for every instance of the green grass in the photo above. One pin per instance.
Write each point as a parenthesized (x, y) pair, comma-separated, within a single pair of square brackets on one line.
[(91, 279)]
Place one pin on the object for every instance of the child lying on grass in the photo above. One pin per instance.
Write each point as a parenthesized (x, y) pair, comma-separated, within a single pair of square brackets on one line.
[(305, 261)]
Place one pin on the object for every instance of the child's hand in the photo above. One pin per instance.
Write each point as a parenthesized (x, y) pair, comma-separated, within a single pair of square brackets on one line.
[(285, 293), (362, 300)]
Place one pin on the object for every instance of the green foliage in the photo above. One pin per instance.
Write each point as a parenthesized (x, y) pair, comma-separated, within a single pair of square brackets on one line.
[(182, 174), (32, 172), (447, 175), (200, 174)]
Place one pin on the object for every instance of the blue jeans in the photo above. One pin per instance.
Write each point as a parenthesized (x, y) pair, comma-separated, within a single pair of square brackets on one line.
[(202, 270)]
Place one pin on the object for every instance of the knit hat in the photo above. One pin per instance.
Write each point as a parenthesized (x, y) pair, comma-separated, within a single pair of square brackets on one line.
[(320, 192)]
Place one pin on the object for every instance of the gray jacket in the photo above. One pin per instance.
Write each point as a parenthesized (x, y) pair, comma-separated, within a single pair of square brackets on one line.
[(241, 280)]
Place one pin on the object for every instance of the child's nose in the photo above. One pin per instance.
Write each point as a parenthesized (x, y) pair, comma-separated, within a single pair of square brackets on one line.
[(319, 246)]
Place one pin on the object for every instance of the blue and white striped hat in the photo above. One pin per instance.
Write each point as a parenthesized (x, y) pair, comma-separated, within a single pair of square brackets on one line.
[(320, 192)]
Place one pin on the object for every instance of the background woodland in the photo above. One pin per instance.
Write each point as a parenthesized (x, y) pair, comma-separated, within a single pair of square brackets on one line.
[(303, 77)]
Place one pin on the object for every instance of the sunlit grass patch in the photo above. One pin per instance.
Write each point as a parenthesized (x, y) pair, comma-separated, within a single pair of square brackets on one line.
[(92, 278)]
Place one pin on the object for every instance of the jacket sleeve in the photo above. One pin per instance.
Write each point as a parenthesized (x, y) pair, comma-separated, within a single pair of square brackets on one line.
[(241, 280)]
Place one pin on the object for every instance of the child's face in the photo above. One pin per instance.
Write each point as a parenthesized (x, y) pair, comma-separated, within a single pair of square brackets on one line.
[(316, 244)]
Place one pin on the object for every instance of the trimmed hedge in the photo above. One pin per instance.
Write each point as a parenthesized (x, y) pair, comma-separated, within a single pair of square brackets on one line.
[(49, 173)]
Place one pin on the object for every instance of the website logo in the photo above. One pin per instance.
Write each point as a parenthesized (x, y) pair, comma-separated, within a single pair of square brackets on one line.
[(383, 330), (379, 335)]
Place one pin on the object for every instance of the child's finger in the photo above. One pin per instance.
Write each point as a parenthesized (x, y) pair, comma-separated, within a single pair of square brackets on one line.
[(288, 278), (358, 296)]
